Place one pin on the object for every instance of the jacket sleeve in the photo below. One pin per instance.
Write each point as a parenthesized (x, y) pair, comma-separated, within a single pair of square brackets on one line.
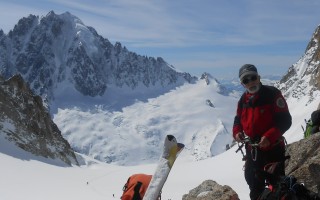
[(237, 127), (282, 119)]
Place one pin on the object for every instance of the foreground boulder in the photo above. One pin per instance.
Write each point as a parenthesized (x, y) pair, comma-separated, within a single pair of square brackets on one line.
[(304, 162), (210, 190)]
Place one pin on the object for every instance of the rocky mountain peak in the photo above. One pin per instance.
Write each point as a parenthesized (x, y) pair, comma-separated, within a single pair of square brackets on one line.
[(209, 79), (303, 78), (26, 122), (314, 44), (58, 50)]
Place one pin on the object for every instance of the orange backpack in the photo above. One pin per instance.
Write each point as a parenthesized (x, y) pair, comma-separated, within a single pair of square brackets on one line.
[(136, 186)]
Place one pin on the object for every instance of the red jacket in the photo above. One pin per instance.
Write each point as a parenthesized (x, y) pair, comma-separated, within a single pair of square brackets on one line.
[(264, 113)]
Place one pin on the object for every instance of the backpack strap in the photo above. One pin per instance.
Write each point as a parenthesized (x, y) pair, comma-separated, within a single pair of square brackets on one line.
[(136, 195), (265, 194)]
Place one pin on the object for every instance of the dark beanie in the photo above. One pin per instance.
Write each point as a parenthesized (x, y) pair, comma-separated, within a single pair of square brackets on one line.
[(247, 69)]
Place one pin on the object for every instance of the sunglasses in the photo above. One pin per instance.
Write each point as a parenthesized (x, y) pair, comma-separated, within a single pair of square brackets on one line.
[(249, 79)]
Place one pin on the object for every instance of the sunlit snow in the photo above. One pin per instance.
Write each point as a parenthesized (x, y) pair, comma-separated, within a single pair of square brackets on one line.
[(182, 112)]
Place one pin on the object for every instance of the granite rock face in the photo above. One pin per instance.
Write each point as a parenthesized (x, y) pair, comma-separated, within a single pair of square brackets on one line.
[(25, 121)]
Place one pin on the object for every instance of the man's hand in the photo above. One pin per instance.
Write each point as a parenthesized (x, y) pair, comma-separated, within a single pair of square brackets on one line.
[(239, 137), (264, 142)]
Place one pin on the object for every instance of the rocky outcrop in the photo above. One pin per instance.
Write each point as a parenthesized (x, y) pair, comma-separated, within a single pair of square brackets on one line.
[(25, 121), (210, 190), (303, 78), (304, 162)]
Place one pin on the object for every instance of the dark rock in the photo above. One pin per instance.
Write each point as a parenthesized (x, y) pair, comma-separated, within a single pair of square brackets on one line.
[(210, 190), (32, 127), (304, 162)]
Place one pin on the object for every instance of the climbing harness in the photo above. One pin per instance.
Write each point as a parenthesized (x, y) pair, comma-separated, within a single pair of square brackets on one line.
[(254, 148)]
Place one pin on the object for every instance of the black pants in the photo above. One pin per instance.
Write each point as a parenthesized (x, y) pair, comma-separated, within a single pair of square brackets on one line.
[(256, 160)]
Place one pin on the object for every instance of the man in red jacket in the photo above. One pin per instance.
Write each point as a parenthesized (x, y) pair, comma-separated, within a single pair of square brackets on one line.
[(263, 116)]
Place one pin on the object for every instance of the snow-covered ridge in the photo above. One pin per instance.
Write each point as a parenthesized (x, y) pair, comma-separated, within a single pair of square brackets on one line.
[(302, 82)]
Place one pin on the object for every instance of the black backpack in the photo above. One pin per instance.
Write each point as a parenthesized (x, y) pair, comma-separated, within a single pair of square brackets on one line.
[(288, 189), (284, 187), (315, 117)]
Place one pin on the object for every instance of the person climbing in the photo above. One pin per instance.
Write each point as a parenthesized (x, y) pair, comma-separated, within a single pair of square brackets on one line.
[(262, 115)]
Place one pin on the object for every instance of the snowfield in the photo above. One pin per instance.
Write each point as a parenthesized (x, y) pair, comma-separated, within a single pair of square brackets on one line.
[(25, 176)]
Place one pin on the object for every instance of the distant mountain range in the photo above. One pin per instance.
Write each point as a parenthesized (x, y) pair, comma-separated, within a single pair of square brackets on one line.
[(59, 55)]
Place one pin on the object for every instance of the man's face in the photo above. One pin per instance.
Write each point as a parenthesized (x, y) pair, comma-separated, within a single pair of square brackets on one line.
[(251, 83)]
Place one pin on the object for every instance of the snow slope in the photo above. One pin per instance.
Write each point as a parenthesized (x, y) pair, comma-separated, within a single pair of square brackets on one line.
[(34, 178), (24, 176), (133, 135)]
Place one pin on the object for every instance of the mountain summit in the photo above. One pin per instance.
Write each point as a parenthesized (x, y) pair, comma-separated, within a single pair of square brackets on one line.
[(58, 55)]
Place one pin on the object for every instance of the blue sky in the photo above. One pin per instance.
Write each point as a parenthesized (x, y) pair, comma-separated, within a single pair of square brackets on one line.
[(195, 36)]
